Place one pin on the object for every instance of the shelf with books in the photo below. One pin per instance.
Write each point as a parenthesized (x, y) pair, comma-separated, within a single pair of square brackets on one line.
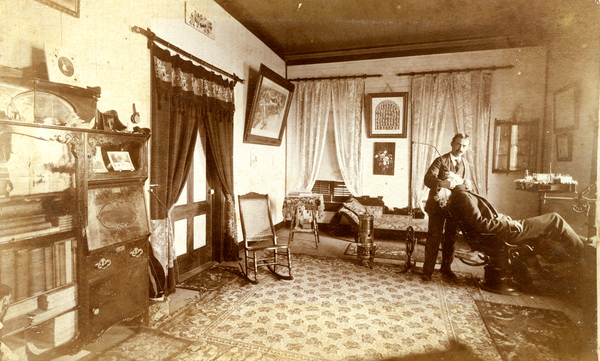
[(69, 194)]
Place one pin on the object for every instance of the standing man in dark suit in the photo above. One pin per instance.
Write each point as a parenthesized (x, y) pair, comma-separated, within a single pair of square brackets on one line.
[(444, 174)]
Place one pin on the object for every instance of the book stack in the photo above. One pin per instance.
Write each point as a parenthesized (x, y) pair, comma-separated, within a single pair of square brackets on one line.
[(39, 269), (21, 220), (66, 222), (54, 332), (55, 298), (52, 304)]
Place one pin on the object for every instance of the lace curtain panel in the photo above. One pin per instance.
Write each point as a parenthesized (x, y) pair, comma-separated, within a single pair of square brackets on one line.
[(312, 104), (469, 96), (430, 101), (472, 110), (347, 96)]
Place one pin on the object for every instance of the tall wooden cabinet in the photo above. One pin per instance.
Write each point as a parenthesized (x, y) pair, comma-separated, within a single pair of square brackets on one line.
[(73, 221)]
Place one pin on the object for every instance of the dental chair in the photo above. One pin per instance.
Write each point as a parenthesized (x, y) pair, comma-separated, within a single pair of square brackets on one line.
[(505, 268)]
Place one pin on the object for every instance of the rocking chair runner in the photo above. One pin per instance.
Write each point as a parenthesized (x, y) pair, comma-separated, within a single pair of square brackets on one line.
[(260, 241)]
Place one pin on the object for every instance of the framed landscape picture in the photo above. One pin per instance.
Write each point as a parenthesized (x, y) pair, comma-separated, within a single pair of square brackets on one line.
[(386, 115), (267, 117)]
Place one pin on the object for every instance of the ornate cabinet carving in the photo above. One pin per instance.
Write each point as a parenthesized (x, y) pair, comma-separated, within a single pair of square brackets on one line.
[(73, 220), (116, 251)]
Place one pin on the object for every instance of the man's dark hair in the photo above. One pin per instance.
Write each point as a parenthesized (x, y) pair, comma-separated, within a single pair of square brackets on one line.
[(460, 136)]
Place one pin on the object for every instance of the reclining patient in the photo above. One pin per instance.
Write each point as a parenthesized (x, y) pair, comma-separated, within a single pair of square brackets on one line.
[(478, 215)]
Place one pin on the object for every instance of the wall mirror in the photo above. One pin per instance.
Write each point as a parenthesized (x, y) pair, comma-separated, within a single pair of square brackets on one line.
[(515, 145)]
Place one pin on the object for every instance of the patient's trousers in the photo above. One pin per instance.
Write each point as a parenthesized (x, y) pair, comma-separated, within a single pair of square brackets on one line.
[(553, 227)]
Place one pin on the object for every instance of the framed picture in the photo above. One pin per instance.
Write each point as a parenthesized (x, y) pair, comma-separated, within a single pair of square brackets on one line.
[(120, 161), (266, 119), (384, 155), (70, 7), (386, 115), (565, 109), (198, 21), (564, 147), (64, 66)]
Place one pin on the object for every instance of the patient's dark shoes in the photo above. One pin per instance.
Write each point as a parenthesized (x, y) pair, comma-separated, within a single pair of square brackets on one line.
[(426, 278)]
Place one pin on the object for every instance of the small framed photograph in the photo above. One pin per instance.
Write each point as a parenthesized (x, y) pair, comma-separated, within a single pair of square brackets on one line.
[(564, 147), (565, 109), (384, 155), (267, 117), (386, 115), (120, 161)]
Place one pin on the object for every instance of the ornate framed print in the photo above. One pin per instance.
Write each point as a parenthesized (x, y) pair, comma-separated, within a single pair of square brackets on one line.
[(386, 115), (266, 120)]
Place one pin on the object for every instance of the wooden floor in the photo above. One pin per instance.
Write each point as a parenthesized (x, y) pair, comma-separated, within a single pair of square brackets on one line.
[(335, 247)]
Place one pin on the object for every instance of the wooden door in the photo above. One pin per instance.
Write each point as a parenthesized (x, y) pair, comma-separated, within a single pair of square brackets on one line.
[(193, 214)]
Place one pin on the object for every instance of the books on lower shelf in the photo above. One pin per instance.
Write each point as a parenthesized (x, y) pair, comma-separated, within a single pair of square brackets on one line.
[(55, 298), (54, 332), (31, 271)]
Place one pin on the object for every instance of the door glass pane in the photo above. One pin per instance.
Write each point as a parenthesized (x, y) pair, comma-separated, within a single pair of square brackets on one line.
[(183, 197), (200, 168), (199, 231), (180, 235)]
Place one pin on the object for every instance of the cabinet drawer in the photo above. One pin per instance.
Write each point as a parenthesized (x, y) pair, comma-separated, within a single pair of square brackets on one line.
[(114, 258), (118, 297)]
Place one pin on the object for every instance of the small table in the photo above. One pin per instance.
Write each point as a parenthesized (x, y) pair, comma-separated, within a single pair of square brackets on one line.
[(295, 207)]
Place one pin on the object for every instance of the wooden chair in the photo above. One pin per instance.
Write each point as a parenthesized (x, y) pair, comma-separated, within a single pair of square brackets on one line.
[(260, 241)]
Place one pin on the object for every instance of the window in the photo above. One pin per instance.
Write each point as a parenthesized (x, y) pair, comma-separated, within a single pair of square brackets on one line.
[(332, 191)]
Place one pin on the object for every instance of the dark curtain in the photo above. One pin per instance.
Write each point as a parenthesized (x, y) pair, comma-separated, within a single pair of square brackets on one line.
[(183, 95), (220, 135)]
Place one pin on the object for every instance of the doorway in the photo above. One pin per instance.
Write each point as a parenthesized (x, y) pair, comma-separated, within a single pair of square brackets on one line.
[(192, 215)]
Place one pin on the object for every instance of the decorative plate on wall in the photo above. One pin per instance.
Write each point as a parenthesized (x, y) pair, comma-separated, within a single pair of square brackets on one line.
[(63, 67)]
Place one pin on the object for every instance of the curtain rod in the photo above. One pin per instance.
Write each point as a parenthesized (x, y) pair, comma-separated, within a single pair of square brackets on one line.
[(338, 77), (456, 70), (152, 37)]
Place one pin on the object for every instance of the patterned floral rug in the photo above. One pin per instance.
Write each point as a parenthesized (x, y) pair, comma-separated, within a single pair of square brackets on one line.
[(526, 333), (210, 279), (394, 251), (332, 310)]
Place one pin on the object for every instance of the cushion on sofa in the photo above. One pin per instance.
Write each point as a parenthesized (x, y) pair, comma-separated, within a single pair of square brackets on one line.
[(355, 206), (350, 214), (375, 211)]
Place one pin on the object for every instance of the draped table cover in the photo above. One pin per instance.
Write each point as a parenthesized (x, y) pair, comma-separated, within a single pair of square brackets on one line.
[(305, 204)]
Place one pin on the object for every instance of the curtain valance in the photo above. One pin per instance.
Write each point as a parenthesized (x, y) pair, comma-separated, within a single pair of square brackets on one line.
[(180, 76)]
